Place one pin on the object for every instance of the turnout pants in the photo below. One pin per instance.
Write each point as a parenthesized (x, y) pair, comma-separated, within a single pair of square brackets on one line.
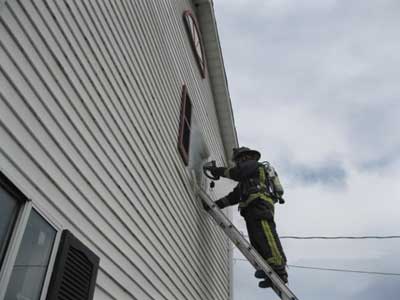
[(263, 235)]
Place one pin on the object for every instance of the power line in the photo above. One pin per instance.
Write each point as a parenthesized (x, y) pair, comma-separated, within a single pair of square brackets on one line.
[(335, 269), (340, 237), (380, 237), (345, 270)]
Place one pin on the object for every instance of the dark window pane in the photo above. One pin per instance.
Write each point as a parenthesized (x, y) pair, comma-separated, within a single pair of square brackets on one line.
[(186, 137), (188, 110), (184, 125), (33, 257), (8, 214)]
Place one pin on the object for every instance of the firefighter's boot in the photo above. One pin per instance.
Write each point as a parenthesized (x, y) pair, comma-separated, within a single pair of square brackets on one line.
[(260, 274), (266, 283), (281, 272)]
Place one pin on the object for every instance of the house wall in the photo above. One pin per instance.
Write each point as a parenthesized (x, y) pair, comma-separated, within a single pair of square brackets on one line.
[(89, 116)]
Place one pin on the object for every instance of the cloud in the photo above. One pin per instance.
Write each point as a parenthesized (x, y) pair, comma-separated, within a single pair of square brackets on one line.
[(384, 161), (381, 289), (329, 174)]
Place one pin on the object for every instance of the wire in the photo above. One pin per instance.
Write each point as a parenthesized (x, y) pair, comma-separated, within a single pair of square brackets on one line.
[(335, 270), (338, 237), (345, 270)]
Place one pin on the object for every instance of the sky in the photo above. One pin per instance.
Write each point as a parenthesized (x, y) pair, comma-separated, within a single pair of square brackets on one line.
[(315, 88)]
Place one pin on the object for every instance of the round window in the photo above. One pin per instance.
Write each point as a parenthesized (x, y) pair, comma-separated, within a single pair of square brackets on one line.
[(195, 40)]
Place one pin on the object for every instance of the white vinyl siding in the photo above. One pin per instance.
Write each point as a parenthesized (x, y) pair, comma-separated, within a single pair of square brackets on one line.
[(89, 110)]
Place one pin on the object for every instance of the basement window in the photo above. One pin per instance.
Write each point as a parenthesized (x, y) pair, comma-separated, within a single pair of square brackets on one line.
[(26, 245), (27, 253), (185, 125), (193, 31), (9, 208)]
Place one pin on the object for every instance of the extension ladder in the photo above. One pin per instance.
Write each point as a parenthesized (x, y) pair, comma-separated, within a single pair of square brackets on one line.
[(244, 246)]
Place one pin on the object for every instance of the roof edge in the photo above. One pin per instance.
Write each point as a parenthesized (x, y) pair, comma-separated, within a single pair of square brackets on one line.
[(217, 74)]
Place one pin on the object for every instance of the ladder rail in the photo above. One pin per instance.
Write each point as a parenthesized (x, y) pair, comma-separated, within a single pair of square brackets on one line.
[(280, 288)]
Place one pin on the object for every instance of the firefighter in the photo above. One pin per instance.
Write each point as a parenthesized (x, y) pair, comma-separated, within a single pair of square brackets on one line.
[(258, 190)]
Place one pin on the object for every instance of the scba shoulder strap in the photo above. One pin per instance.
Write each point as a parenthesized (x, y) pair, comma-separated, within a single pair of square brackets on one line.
[(257, 188)]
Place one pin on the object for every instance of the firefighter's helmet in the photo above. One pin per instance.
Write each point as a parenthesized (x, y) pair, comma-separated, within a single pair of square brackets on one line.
[(238, 152)]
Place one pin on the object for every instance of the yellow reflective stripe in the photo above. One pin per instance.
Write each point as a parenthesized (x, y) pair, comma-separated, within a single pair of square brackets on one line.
[(273, 261), (276, 258), (255, 196), (262, 174), (248, 200), (262, 178)]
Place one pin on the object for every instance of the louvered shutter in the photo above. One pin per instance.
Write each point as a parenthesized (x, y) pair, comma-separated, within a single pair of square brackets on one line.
[(75, 271)]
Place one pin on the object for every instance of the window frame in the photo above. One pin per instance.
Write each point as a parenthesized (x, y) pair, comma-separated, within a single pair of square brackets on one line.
[(20, 198), (50, 267), (191, 30), (185, 123), (17, 234)]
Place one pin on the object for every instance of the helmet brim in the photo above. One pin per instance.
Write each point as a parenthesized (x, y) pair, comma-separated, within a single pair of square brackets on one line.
[(249, 152)]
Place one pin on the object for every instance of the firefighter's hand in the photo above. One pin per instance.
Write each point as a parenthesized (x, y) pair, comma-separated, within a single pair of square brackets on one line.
[(217, 172), (214, 171), (209, 167)]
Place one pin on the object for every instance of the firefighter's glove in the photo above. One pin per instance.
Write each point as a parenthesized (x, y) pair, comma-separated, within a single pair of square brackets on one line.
[(223, 202), (217, 172)]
